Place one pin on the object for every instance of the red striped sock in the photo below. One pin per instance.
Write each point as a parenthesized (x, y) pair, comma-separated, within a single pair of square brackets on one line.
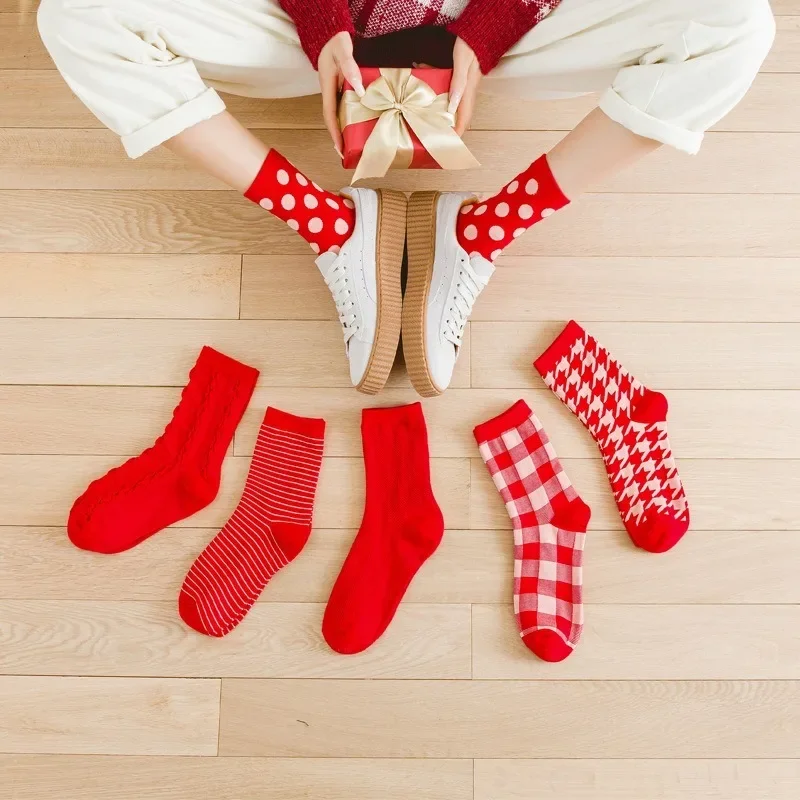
[(268, 529)]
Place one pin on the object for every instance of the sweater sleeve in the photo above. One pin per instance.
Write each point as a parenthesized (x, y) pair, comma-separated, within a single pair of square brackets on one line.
[(317, 21), (491, 27)]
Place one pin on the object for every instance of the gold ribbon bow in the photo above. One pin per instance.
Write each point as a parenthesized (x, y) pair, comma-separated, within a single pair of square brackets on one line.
[(398, 99)]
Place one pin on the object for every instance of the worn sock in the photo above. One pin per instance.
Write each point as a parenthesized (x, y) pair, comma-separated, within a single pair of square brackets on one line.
[(324, 219), (268, 529), (629, 423), (179, 474), (401, 528), (488, 227), (550, 522)]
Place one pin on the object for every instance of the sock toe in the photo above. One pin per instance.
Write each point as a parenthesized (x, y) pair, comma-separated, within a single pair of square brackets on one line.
[(658, 533), (190, 614), (547, 644)]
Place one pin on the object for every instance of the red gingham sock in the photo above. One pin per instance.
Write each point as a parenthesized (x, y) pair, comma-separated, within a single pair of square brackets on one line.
[(401, 529), (629, 423), (550, 522), (268, 529), (324, 219), (488, 227)]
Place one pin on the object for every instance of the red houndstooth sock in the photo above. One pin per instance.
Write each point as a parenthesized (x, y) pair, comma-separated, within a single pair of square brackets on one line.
[(324, 219), (401, 529), (488, 227), (550, 522), (629, 423), (268, 529), (179, 474)]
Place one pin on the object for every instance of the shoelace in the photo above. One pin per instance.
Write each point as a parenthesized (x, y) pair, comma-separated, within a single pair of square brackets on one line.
[(468, 286), (339, 285)]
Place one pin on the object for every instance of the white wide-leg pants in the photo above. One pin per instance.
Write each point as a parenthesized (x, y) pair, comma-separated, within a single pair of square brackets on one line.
[(148, 69)]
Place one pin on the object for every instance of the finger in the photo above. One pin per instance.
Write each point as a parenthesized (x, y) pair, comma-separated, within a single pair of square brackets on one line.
[(458, 83), (465, 111), (328, 85), (352, 74)]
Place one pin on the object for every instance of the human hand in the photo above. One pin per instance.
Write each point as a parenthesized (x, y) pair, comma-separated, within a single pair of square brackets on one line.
[(335, 64), (464, 84)]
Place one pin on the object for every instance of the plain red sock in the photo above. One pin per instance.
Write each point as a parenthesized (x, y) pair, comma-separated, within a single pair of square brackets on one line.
[(488, 227), (179, 474), (324, 219), (401, 529)]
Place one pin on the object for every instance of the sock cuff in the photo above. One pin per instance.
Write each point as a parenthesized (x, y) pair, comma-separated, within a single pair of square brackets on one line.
[(392, 416), (265, 179), (549, 184), (212, 363), (495, 427), (559, 348), (311, 427)]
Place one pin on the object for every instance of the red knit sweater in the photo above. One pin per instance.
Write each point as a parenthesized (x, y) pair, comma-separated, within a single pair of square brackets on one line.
[(489, 27)]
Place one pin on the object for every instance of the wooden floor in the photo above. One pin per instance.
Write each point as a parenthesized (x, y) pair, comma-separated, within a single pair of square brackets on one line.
[(113, 274)]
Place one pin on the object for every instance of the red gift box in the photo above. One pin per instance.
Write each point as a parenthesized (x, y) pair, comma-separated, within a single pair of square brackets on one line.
[(420, 106)]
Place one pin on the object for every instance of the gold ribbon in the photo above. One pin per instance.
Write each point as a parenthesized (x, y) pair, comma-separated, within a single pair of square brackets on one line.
[(398, 99)]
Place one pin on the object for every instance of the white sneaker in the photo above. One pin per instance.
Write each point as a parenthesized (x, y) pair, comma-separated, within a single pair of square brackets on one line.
[(443, 284), (364, 280)]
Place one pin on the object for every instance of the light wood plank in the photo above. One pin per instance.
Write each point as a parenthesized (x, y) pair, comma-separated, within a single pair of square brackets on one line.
[(276, 640), (161, 352), (701, 422), (723, 495), (115, 716), (506, 719), (36, 777), (41, 490), (785, 53), (20, 45), (530, 288), (47, 158), (41, 99), (177, 287), (643, 642), (690, 355), (644, 225), (626, 779), (729, 567), (124, 420)]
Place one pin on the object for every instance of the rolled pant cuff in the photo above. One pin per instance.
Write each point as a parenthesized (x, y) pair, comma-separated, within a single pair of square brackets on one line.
[(203, 107), (642, 124)]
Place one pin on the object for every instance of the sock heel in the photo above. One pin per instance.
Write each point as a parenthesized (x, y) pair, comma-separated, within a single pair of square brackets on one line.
[(650, 407), (571, 515)]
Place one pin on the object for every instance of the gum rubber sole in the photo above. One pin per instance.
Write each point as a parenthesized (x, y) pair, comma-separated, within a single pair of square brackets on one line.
[(421, 241), (390, 242)]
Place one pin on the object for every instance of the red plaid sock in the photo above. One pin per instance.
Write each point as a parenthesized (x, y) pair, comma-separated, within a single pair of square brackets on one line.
[(488, 227), (550, 522), (629, 423), (322, 218), (401, 529), (268, 529)]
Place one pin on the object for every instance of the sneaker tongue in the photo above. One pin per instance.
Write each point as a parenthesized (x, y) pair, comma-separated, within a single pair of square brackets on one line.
[(324, 262), (482, 267)]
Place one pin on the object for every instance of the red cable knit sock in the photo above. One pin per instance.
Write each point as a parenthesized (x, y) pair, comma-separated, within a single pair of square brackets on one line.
[(629, 423), (401, 528), (324, 219), (488, 227), (550, 522), (179, 474), (268, 529)]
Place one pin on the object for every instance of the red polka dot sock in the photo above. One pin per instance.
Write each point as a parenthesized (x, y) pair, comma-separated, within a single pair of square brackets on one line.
[(488, 227), (268, 529), (324, 219), (550, 522)]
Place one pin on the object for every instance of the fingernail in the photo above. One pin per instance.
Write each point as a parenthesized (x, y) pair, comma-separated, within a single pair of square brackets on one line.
[(338, 151), (453, 105), (359, 90)]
